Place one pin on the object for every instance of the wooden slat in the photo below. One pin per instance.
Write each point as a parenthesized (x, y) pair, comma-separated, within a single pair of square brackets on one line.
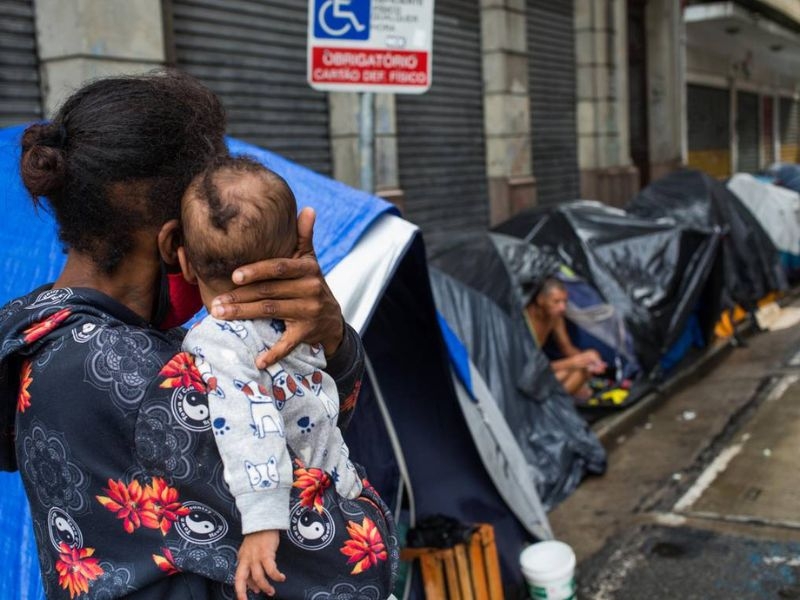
[(463, 569), (432, 576), (486, 533), (478, 567)]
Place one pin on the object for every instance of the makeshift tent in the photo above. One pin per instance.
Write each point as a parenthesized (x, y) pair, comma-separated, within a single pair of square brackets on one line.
[(451, 452), (509, 271), (690, 198), (659, 277), (777, 210), (551, 434), (788, 176)]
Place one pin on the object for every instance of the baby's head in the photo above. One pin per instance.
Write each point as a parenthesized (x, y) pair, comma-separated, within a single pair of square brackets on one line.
[(235, 213)]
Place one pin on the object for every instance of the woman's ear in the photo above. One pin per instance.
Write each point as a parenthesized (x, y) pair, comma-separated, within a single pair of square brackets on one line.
[(169, 239)]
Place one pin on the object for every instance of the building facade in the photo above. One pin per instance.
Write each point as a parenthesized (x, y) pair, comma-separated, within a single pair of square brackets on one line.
[(533, 102)]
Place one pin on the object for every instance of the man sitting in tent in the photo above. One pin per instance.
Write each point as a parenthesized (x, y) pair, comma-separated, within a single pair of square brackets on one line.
[(545, 316)]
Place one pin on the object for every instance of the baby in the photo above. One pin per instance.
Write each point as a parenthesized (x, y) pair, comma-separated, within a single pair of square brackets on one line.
[(272, 427)]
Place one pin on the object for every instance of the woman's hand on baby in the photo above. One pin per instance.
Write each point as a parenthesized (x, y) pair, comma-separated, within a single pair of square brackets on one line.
[(257, 563), (291, 289)]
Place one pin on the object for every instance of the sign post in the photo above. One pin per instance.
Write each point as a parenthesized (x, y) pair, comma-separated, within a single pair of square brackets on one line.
[(370, 46)]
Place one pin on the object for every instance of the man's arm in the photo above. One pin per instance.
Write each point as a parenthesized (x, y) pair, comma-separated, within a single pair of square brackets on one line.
[(563, 342)]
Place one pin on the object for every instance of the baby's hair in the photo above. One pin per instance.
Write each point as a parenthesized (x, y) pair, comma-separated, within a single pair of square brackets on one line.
[(237, 212)]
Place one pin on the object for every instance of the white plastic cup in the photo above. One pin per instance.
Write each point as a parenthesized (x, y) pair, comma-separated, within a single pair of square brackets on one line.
[(549, 570)]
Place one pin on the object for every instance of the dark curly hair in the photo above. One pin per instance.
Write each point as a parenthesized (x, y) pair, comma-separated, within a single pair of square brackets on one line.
[(118, 155), (237, 212)]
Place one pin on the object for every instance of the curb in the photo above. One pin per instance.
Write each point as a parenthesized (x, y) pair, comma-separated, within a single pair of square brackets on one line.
[(610, 428)]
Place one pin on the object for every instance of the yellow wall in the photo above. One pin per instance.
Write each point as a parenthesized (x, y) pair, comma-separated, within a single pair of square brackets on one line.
[(716, 163), (789, 153)]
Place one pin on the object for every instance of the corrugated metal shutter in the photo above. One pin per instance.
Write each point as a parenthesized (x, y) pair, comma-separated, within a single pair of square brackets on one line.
[(708, 111), (788, 129), (747, 131), (440, 134), (551, 76), (20, 94), (768, 129), (253, 54), (638, 109)]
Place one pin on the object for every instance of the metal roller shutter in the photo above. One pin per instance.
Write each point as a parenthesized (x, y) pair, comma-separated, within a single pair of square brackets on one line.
[(708, 111), (788, 130), (252, 53), (747, 131), (551, 76), (440, 133), (20, 95)]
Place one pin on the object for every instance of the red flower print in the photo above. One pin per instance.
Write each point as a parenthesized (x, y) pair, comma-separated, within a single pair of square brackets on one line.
[(181, 372), (349, 403), (365, 546), (313, 482), (128, 501), (45, 326), (25, 380), (166, 563), (161, 506), (76, 569)]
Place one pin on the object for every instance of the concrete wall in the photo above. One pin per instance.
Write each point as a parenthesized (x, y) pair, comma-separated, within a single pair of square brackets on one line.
[(507, 119), (603, 126), (84, 39), (666, 87)]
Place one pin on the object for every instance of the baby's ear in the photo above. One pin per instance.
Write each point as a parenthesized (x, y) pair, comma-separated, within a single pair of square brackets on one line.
[(186, 267)]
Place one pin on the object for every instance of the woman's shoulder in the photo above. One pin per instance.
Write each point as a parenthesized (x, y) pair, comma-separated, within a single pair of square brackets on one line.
[(82, 319)]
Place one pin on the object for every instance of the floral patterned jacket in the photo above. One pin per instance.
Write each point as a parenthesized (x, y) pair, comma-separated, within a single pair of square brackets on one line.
[(107, 422)]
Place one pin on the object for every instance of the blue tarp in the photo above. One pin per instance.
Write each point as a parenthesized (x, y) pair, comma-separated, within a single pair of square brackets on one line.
[(30, 255)]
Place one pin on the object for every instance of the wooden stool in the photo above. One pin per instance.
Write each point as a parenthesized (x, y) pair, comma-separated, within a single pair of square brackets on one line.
[(468, 571)]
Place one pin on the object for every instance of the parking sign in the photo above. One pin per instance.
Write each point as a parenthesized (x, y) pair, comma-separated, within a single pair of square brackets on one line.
[(370, 45), (342, 21)]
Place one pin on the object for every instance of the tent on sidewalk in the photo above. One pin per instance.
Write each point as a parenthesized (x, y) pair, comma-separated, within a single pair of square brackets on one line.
[(787, 175), (451, 451), (510, 271), (551, 434), (777, 209), (662, 279), (751, 264)]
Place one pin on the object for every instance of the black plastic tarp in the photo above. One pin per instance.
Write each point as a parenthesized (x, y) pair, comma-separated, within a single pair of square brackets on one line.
[(751, 263), (498, 266), (551, 434), (654, 273)]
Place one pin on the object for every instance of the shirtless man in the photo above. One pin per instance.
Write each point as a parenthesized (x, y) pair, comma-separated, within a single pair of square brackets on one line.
[(546, 317)]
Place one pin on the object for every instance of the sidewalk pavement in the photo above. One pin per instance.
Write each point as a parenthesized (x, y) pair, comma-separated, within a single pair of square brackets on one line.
[(702, 494)]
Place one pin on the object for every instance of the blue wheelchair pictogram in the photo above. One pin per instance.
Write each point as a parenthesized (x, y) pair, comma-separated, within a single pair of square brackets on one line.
[(342, 19)]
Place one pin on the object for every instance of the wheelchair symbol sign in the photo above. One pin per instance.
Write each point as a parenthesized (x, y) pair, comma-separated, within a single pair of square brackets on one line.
[(342, 19)]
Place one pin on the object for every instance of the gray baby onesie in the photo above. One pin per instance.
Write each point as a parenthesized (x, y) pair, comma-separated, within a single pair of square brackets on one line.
[(258, 415)]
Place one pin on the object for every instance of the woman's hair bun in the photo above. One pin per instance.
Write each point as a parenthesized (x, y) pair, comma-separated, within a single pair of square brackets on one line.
[(44, 165)]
